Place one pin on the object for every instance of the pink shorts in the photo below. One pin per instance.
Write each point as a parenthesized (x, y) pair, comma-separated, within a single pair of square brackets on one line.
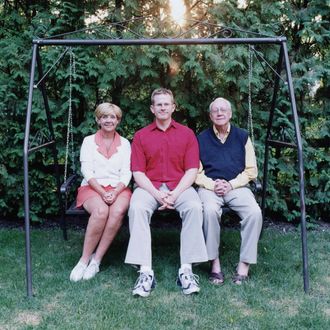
[(86, 192)]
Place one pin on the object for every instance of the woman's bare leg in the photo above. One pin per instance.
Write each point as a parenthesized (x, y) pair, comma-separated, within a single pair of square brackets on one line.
[(117, 212), (99, 212)]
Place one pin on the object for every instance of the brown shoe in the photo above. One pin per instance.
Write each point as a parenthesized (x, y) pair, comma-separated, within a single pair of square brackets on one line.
[(240, 279), (217, 278)]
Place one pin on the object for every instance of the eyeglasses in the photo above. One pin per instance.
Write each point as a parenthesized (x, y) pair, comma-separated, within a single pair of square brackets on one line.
[(219, 110)]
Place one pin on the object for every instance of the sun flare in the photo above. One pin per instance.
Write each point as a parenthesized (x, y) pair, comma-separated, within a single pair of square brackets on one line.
[(178, 10)]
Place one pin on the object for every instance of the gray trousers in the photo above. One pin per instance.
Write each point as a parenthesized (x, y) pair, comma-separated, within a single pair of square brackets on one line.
[(242, 201), (192, 243)]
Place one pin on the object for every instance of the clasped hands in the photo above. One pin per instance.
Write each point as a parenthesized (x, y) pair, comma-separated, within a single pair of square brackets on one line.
[(109, 196), (166, 199), (222, 187)]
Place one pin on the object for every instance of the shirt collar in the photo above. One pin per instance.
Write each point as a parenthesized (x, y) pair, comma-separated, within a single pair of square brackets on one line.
[(216, 132), (101, 145), (173, 123)]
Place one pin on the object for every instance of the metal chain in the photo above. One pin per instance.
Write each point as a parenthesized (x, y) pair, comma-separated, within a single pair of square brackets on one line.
[(250, 118), (71, 124), (69, 134)]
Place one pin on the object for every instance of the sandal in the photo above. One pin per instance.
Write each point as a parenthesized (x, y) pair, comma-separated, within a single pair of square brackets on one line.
[(239, 279), (217, 278)]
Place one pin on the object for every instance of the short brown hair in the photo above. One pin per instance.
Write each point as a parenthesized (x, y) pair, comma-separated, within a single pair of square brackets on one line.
[(161, 91), (106, 108)]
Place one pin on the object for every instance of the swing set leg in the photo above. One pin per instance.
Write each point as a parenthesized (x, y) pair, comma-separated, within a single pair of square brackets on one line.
[(63, 226)]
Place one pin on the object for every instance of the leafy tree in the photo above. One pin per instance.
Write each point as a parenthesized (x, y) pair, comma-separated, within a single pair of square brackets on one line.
[(126, 75)]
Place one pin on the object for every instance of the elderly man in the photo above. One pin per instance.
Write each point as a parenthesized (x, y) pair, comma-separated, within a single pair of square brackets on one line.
[(164, 162), (228, 163)]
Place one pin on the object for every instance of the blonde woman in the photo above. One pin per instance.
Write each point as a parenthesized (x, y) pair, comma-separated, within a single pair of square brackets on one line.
[(105, 165)]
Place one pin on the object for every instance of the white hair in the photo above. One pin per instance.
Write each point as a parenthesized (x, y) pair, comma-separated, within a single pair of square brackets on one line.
[(219, 99)]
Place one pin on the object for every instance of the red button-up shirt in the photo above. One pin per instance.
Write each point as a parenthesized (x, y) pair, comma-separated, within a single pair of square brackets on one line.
[(164, 156)]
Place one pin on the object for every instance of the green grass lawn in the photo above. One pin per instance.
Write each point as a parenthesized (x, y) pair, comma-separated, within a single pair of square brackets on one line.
[(272, 299)]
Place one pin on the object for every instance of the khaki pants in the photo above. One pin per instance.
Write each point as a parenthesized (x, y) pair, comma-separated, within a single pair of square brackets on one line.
[(242, 201), (142, 206)]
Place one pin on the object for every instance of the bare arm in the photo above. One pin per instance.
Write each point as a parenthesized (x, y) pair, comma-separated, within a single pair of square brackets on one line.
[(166, 199), (100, 190), (186, 181), (144, 182)]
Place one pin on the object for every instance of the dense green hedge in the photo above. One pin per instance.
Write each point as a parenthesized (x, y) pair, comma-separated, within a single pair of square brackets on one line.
[(196, 74)]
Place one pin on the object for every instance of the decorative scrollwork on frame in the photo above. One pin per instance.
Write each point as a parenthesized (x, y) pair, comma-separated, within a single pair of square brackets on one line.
[(225, 32), (150, 27), (40, 138)]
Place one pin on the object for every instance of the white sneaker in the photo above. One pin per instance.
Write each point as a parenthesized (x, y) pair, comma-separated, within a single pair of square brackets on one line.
[(92, 269), (144, 284), (78, 271), (188, 281)]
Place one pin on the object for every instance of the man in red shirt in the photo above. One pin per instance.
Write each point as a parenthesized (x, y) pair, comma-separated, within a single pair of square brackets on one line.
[(164, 162)]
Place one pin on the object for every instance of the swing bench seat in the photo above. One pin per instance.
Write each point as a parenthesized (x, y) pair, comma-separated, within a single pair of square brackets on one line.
[(74, 210), (66, 188), (70, 208)]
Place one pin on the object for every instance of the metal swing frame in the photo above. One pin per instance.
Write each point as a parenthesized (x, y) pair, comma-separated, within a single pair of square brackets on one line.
[(219, 36)]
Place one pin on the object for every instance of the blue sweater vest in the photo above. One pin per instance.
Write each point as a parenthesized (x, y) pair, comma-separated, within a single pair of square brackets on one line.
[(222, 160)]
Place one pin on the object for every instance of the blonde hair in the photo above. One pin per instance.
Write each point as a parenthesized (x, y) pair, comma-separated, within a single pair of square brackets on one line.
[(106, 108), (161, 91), (219, 99)]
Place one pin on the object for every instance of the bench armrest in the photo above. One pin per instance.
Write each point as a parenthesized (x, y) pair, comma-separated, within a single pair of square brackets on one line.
[(65, 187), (255, 186)]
